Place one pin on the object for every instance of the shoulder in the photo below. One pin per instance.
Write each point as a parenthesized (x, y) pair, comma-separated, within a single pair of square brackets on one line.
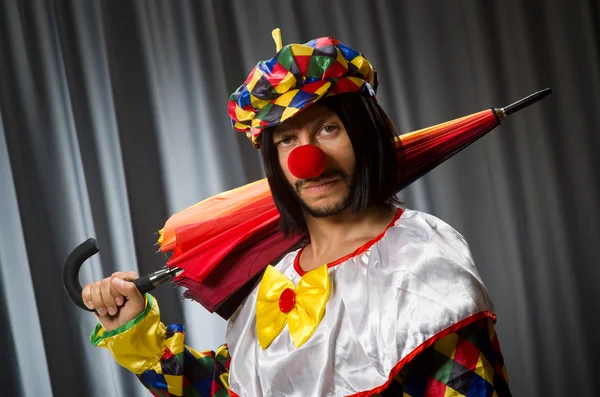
[(418, 280), (426, 233), (420, 225), (421, 249)]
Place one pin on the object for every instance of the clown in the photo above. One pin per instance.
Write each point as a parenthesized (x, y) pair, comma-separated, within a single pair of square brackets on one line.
[(380, 300)]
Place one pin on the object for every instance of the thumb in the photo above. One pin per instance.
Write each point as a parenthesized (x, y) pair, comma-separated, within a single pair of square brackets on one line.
[(125, 288)]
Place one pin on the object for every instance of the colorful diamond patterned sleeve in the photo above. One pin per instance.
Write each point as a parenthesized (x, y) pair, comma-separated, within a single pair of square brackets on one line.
[(182, 371), (160, 359), (466, 363)]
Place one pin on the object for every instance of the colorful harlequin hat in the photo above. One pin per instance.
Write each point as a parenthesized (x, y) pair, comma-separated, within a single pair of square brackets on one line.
[(298, 76)]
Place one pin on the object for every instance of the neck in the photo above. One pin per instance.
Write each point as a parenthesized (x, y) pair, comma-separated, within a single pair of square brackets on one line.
[(330, 234)]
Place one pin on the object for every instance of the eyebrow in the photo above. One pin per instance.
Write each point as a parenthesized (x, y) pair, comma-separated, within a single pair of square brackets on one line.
[(317, 121)]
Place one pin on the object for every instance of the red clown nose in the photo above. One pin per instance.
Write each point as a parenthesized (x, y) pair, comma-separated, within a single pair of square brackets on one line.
[(306, 161)]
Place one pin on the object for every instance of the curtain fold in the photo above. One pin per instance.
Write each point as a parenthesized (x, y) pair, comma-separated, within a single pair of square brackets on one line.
[(113, 115)]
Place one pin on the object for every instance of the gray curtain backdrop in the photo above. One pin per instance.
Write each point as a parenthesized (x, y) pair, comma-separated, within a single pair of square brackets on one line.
[(113, 115)]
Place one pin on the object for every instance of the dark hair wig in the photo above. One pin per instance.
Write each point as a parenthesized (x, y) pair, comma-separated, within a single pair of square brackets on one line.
[(376, 173)]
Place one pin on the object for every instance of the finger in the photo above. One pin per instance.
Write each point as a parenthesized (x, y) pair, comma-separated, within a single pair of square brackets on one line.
[(86, 296), (125, 288), (119, 298), (97, 299), (107, 296), (128, 276)]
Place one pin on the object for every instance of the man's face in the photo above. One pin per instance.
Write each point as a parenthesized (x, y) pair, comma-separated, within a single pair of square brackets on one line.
[(330, 193)]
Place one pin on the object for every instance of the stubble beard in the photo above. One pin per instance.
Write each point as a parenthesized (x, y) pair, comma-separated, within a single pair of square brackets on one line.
[(330, 209)]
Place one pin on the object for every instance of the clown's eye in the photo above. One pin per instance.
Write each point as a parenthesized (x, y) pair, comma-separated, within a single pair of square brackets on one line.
[(284, 141), (328, 129)]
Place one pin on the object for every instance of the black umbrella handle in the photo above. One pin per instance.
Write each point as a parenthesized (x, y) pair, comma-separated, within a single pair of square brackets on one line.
[(74, 262)]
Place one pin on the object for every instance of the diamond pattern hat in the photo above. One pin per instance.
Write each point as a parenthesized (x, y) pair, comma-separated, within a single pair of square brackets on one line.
[(298, 76)]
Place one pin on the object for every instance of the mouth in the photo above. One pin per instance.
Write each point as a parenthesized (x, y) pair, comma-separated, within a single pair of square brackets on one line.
[(322, 182), (319, 186)]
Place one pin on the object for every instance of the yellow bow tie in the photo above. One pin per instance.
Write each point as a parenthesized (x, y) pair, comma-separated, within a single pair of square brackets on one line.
[(301, 307)]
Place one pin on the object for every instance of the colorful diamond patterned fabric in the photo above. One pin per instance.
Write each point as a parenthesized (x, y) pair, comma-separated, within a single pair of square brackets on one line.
[(299, 75), (466, 363), (186, 372)]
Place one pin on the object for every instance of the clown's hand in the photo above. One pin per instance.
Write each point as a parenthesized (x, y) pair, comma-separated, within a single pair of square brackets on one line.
[(116, 300)]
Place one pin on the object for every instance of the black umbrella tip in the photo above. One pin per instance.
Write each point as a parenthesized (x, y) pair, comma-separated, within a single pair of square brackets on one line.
[(527, 101)]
